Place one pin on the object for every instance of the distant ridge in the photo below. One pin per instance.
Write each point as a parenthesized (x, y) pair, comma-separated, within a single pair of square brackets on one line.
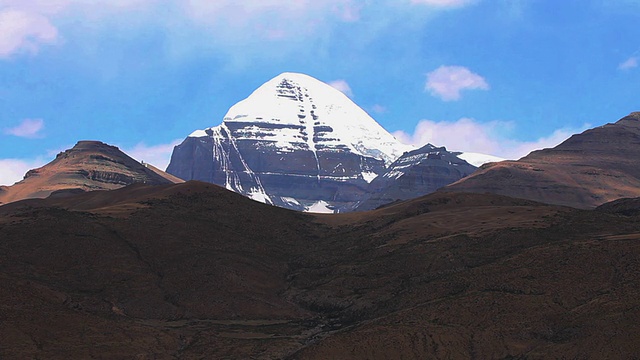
[(587, 170), (414, 174)]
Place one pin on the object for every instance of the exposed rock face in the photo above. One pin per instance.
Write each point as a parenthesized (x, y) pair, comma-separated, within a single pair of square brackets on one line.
[(90, 165), (416, 173), (295, 142), (588, 169)]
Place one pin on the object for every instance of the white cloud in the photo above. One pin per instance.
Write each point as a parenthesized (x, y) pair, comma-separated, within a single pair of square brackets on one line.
[(342, 86), (13, 170), (38, 6), (245, 12), (22, 31), (444, 3), (379, 109), (228, 25), (630, 63), (156, 155), (446, 82), (26, 25), (243, 30), (28, 128), (232, 22), (57, 6), (490, 138)]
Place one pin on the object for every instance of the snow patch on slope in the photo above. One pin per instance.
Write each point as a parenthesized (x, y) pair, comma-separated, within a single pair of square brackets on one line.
[(369, 176), (320, 207)]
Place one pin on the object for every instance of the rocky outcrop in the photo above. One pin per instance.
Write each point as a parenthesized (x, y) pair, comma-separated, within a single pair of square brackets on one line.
[(416, 173)]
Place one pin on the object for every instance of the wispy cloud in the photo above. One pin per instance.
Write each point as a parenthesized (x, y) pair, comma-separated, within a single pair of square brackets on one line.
[(22, 31), (247, 11), (156, 155), (444, 3), (342, 86), (28, 128), (379, 109), (245, 29), (630, 63), (231, 22), (27, 25), (490, 138), (446, 82)]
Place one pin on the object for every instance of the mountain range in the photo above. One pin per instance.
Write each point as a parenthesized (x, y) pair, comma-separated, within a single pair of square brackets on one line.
[(298, 143), (295, 142), (102, 256)]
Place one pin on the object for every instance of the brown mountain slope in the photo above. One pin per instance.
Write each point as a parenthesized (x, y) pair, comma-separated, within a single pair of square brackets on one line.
[(587, 170), (194, 271), (172, 178), (88, 166)]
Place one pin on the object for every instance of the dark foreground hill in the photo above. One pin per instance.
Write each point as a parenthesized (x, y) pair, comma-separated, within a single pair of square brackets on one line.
[(587, 170), (193, 271)]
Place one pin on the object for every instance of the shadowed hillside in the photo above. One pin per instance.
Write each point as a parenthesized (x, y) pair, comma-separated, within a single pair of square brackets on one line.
[(194, 271)]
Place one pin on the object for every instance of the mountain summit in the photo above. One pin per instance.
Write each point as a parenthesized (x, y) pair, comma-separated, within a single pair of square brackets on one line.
[(317, 117), (88, 166), (295, 142)]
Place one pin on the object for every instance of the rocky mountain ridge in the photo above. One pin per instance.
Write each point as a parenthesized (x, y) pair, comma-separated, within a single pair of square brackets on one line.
[(416, 173)]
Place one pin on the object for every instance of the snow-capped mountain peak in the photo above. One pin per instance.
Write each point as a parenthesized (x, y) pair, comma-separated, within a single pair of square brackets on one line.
[(301, 111), (294, 142), (299, 143)]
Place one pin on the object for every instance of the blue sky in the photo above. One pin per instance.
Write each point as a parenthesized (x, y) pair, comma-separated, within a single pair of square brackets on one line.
[(501, 77)]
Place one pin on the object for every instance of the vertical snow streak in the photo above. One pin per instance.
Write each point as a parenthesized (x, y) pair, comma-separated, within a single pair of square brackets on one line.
[(225, 161), (265, 197), (310, 132)]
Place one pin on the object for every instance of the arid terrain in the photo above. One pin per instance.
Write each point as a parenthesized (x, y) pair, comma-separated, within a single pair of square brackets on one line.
[(193, 271)]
